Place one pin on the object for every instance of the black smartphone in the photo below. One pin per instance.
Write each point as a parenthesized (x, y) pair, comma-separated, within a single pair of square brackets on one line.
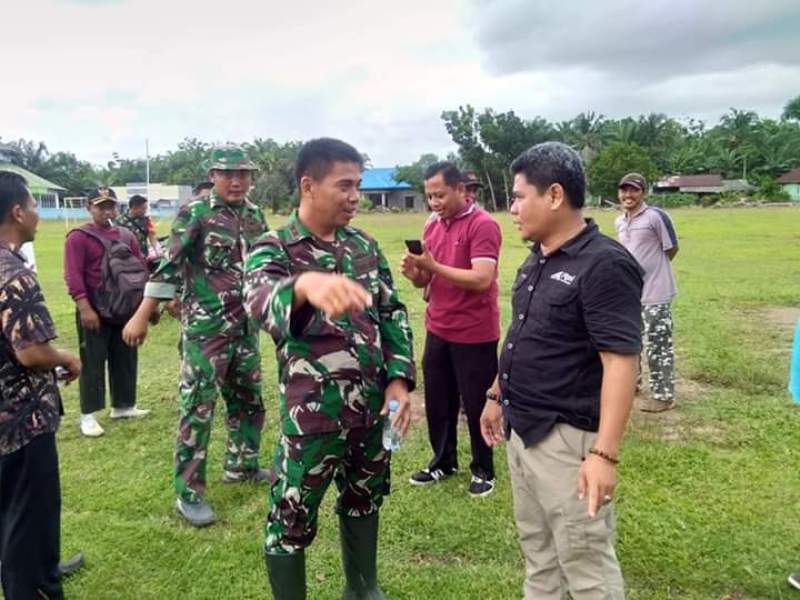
[(414, 246)]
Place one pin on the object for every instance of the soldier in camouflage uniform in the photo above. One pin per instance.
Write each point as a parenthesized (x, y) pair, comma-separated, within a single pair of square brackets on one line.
[(205, 259), (324, 291)]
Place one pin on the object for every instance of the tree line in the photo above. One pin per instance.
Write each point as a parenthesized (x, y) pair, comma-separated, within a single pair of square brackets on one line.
[(743, 145)]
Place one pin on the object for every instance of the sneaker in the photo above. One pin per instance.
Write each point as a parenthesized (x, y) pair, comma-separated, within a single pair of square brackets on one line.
[(480, 487), (256, 476), (69, 566), (427, 477), (197, 514), (128, 413), (90, 427), (655, 406), (794, 580)]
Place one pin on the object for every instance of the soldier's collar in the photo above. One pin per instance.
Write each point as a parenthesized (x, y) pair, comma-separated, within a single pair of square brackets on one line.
[(301, 232), (216, 201)]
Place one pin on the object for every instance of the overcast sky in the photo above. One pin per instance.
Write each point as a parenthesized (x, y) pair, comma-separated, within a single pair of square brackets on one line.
[(100, 76)]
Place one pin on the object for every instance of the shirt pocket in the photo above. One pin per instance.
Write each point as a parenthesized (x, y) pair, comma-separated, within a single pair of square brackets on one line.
[(562, 308), (219, 253), (365, 272)]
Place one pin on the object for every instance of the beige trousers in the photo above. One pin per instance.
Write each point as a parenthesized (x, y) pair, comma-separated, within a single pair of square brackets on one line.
[(564, 549)]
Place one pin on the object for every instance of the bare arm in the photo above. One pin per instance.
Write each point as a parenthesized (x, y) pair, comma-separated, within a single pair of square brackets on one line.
[(598, 475), (44, 357), (477, 279)]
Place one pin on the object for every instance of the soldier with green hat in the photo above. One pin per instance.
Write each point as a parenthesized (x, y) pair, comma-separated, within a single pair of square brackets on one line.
[(204, 263)]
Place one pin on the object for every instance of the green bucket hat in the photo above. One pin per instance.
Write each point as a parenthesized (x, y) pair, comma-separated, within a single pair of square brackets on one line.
[(229, 158)]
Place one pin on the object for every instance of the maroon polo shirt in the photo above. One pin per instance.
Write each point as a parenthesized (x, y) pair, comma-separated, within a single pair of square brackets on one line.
[(453, 313), (83, 256)]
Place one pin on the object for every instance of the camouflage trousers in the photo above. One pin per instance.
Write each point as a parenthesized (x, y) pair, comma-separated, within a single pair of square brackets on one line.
[(232, 365), (657, 337), (304, 466)]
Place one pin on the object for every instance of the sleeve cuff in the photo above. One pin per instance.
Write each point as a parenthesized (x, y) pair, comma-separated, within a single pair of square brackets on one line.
[(162, 291)]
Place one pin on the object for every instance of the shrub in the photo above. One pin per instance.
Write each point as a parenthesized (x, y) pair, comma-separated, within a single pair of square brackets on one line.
[(672, 200)]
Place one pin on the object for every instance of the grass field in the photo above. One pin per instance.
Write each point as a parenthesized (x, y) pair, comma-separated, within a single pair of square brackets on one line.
[(708, 499)]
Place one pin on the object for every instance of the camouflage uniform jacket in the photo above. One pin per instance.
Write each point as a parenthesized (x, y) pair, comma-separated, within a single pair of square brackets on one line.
[(138, 226), (332, 372), (30, 404), (205, 259)]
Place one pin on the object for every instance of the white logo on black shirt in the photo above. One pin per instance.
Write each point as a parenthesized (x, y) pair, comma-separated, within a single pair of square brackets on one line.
[(563, 277)]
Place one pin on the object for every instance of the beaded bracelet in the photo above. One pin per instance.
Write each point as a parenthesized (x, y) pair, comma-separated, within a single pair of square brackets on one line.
[(603, 455)]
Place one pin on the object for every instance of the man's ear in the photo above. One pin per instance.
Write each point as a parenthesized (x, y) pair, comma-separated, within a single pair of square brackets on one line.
[(306, 185), (557, 196)]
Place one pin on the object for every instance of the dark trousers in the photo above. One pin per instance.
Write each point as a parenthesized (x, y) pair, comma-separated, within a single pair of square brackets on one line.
[(97, 349), (454, 371), (30, 521)]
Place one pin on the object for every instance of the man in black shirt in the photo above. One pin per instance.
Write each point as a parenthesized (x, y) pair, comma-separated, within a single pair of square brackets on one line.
[(30, 410), (566, 380)]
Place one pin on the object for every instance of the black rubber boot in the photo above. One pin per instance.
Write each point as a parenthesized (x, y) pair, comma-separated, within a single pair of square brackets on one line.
[(359, 537), (287, 575)]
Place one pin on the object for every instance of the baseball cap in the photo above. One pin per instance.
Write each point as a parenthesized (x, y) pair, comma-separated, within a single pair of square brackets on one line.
[(470, 179), (636, 180), (102, 194)]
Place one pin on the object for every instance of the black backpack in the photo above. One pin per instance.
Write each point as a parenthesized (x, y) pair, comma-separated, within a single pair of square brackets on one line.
[(122, 278)]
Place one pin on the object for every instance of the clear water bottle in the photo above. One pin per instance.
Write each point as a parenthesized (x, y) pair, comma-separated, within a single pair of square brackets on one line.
[(391, 435)]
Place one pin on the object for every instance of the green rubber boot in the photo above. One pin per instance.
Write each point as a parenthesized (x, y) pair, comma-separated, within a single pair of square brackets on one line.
[(287, 575), (359, 537)]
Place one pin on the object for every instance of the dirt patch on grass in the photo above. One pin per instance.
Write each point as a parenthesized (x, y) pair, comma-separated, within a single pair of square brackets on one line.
[(676, 425), (784, 317)]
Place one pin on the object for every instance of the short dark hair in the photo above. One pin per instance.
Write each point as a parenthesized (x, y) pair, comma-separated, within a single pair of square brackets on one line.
[(136, 200), (13, 192), (203, 185), (553, 162), (316, 158), (450, 173)]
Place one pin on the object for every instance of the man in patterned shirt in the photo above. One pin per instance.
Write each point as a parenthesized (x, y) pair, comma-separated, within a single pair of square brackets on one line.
[(30, 410), (324, 291), (219, 344)]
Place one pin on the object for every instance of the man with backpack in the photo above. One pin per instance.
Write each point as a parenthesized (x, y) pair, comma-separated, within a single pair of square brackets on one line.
[(105, 275)]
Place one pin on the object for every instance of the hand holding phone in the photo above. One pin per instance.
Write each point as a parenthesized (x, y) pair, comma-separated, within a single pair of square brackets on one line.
[(414, 247)]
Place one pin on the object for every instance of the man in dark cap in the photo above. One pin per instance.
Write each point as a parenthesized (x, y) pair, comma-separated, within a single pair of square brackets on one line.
[(100, 340), (647, 233)]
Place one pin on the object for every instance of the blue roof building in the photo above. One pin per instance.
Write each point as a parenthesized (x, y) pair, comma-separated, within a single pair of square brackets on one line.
[(380, 187)]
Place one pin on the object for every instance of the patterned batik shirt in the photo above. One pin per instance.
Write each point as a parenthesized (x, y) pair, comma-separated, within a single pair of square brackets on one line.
[(30, 403), (332, 372), (139, 227)]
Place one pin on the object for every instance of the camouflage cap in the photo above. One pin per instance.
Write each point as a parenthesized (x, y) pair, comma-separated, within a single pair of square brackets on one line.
[(229, 158)]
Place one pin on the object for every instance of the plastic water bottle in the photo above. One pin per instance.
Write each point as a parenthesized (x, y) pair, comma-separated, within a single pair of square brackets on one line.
[(391, 435), (794, 369)]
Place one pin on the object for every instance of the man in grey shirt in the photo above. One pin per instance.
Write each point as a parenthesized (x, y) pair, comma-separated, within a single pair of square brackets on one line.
[(647, 232)]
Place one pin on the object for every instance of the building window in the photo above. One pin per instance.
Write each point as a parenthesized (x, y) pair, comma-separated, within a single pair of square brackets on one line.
[(410, 202), (375, 199)]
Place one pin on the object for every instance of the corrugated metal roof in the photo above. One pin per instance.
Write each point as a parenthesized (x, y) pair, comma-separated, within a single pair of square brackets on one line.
[(691, 181), (792, 176), (381, 179), (37, 185)]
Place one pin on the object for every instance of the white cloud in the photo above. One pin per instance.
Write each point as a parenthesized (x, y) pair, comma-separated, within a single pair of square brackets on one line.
[(99, 76)]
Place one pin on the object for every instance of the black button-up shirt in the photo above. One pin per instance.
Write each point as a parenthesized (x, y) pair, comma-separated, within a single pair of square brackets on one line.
[(569, 306)]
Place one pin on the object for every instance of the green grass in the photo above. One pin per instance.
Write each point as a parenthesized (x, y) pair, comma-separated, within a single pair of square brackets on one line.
[(708, 496)]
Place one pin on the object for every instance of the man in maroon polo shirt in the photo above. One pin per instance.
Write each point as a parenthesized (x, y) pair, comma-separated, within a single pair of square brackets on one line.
[(458, 269), (100, 342)]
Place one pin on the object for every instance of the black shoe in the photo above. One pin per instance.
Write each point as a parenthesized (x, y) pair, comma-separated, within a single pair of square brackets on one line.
[(428, 476), (794, 580), (480, 487), (69, 566)]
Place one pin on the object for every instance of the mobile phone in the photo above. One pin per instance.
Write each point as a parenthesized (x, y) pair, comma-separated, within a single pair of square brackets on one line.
[(414, 246)]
